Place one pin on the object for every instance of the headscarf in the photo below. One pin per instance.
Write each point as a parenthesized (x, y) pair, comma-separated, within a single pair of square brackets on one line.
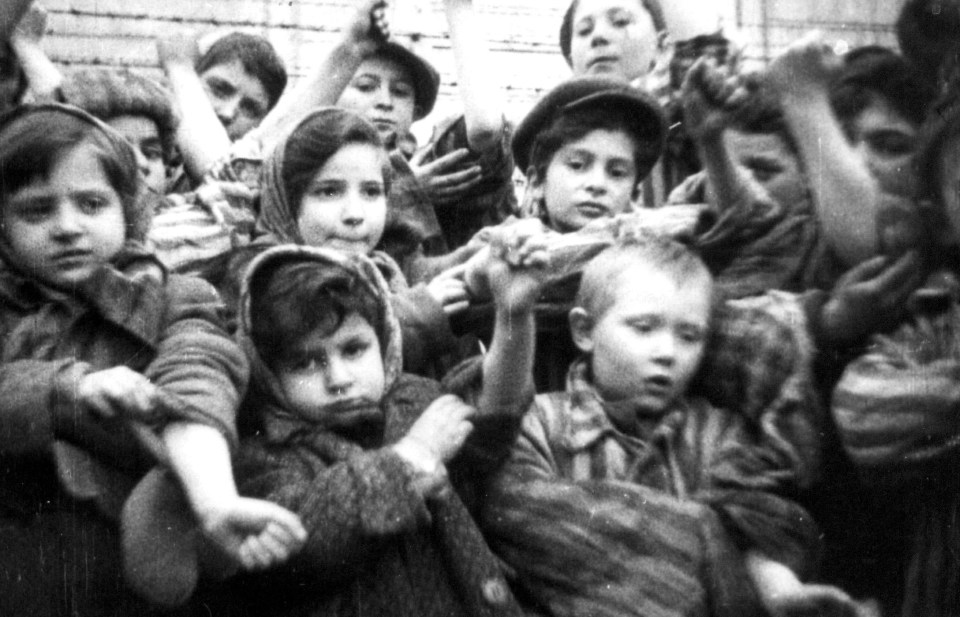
[(275, 413)]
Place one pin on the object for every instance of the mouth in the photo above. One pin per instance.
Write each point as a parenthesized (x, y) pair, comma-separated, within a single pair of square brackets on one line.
[(72, 257), (383, 123), (658, 385), (602, 62), (347, 405), (593, 210), (349, 245)]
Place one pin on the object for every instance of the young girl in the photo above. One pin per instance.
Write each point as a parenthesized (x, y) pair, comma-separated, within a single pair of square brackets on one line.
[(108, 366), (325, 185)]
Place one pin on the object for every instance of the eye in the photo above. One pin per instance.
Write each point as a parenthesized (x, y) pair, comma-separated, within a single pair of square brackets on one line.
[(891, 144), (327, 190), (152, 153), (355, 349), (251, 109), (220, 88), (365, 85), (619, 171), (691, 334), (305, 364), (91, 204), (372, 191), (584, 28), (402, 91), (576, 163), (33, 213), (621, 19), (643, 326), (763, 170)]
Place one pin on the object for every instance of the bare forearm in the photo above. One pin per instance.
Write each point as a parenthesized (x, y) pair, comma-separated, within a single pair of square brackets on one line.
[(202, 139), (508, 365), (479, 91), (845, 195), (730, 183), (200, 458)]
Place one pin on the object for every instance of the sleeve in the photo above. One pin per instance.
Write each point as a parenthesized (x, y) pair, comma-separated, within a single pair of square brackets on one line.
[(197, 363), (350, 509), (39, 402), (608, 548), (897, 407), (424, 326)]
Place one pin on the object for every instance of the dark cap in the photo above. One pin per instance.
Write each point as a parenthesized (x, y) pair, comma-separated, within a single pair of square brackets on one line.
[(566, 26), (426, 79), (599, 92)]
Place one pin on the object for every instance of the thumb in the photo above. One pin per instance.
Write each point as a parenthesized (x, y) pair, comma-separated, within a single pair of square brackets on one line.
[(236, 189)]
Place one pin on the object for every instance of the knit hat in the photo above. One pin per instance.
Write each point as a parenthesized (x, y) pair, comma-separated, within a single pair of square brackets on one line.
[(426, 79), (600, 92), (108, 93)]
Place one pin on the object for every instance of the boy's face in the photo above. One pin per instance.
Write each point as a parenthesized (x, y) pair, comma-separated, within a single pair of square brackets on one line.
[(771, 162), (142, 133), (886, 141), (591, 178), (612, 37), (383, 92), (345, 205), (238, 98), (60, 229), (648, 344), (338, 379)]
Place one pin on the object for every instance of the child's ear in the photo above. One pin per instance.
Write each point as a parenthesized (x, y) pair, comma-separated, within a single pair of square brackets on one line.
[(581, 327), (663, 37)]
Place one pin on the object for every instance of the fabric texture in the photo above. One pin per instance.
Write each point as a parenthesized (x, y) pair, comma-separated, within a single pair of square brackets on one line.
[(598, 521)]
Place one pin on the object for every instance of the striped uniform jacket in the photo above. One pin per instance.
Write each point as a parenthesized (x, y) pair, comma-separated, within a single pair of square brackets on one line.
[(897, 410), (597, 522)]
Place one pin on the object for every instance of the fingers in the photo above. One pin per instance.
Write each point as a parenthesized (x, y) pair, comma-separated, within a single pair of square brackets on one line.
[(457, 181), (863, 271), (443, 163)]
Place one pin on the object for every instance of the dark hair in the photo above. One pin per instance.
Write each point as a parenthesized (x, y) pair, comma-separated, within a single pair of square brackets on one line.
[(574, 124), (33, 140), (318, 138), (652, 7), (942, 125), (257, 56), (10, 69), (294, 299), (881, 71), (597, 292), (760, 112), (108, 93), (927, 33)]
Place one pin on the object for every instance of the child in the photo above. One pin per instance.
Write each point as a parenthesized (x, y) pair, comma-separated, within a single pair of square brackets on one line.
[(861, 154), (895, 409), (138, 108), (109, 367), (380, 465), (624, 495), (326, 184)]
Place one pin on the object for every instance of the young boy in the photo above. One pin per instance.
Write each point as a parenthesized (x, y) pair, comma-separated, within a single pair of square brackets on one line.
[(625, 495), (383, 468)]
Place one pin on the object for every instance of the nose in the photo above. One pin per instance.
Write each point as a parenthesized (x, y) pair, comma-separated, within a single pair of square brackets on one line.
[(384, 100), (600, 35), (596, 180), (142, 163), (227, 109), (338, 376), (354, 212), (67, 222), (664, 349)]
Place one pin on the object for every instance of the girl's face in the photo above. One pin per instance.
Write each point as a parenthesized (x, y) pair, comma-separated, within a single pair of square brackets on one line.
[(383, 92), (238, 97), (886, 141), (60, 229), (591, 178), (345, 205), (612, 37)]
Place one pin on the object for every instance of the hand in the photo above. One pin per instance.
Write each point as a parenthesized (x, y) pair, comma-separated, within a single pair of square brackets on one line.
[(33, 25), (178, 49), (518, 244), (708, 95), (218, 198), (869, 297), (368, 26), (449, 290), (806, 67), (119, 392), (443, 185), (518, 265), (440, 431), (256, 534), (819, 601)]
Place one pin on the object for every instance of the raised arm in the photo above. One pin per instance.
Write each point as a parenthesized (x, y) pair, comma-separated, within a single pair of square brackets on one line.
[(846, 196), (479, 90), (43, 77)]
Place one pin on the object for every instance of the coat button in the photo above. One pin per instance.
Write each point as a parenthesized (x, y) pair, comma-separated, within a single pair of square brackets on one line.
[(495, 592)]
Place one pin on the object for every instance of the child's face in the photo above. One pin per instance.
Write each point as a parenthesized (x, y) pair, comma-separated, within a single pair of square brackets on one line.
[(886, 141), (383, 92), (142, 133), (238, 98), (612, 37), (648, 344), (345, 205), (60, 229), (771, 162), (591, 178), (339, 378)]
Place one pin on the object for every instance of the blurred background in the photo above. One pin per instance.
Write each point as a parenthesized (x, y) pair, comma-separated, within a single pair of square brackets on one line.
[(523, 34)]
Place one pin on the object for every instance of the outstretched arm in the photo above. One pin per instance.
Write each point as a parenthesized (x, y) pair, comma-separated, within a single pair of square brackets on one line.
[(846, 196), (43, 77)]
